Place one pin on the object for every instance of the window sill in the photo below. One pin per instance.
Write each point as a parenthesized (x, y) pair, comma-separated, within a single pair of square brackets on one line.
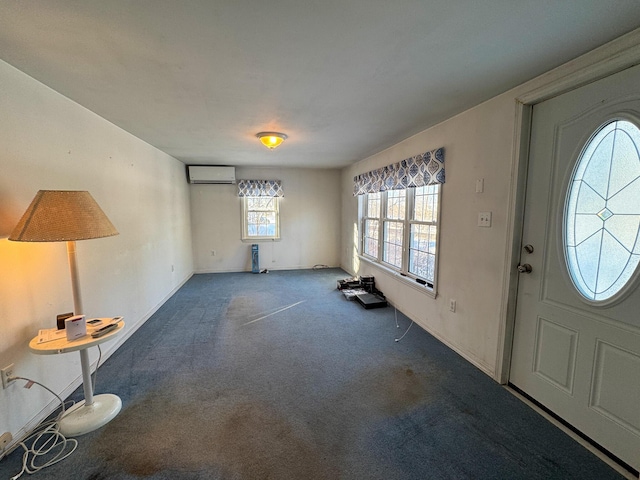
[(426, 290), (259, 240)]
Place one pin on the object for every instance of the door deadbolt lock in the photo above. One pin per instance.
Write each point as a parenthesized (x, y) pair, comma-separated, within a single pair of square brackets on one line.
[(528, 248), (524, 268)]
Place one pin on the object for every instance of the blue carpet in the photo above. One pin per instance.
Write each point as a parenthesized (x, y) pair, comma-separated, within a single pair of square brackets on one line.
[(278, 376)]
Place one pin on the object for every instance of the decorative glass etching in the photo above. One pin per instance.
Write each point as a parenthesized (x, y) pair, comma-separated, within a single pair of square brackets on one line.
[(602, 214)]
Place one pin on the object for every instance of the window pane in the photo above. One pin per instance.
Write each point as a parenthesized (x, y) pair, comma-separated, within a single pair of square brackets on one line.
[(422, 251), (371, 237), (260, 203), (393, 234), (602, 220), (426, 204), (373, 205), (262, 224), (261, 217), (396, 201)]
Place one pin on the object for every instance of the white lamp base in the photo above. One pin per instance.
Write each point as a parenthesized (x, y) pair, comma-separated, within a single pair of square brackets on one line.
[(81, 418)]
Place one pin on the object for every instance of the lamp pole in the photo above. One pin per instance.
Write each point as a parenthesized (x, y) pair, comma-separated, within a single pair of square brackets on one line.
[(78, 309)]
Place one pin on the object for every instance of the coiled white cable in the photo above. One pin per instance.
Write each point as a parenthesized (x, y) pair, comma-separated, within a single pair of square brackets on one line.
[(47, 440)]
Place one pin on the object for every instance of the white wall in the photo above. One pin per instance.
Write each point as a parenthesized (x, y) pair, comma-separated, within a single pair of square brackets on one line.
[(478, 144), (49, 142), (309, 222), (476, 265)]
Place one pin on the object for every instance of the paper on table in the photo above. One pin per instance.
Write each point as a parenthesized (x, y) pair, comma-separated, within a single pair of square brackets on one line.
[(50, 334)]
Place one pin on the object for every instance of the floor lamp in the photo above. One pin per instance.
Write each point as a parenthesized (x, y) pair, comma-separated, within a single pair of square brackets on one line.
[(67, 216)]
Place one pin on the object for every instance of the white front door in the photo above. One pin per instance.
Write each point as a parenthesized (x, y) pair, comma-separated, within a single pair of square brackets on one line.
[(576, 343)]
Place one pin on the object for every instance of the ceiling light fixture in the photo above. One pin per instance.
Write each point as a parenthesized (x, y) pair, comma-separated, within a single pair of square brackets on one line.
[(271, 140)]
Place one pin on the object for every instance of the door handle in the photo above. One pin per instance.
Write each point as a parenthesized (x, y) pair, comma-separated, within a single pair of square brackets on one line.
[(524, 268)]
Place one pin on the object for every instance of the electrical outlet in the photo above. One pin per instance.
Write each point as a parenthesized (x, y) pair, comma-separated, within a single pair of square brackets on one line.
[(484, 219), (6, 372), (452, 305), (5, 438)]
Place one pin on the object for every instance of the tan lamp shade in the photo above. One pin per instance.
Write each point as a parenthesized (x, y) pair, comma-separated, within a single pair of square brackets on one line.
[(62, 215)]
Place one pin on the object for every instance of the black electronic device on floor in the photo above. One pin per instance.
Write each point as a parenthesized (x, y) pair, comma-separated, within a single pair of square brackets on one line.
[(370, 300)]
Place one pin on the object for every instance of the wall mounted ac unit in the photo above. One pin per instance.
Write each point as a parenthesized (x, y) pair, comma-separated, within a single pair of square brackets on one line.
[(211, 174)]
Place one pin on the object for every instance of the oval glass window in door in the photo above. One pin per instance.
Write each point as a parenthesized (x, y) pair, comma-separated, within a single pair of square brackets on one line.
[(602, 213)]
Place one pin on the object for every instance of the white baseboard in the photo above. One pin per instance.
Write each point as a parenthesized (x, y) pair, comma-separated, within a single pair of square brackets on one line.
[(290, 267), (456, 348)]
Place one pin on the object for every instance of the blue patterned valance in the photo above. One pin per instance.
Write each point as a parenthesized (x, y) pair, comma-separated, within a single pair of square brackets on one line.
[(260, 188), (423, 169)]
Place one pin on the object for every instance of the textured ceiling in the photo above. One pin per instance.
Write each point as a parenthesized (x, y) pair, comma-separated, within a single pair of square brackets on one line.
[(344, 79)]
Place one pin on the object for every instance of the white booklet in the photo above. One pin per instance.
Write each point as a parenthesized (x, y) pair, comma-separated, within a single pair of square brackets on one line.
[(50, 334)]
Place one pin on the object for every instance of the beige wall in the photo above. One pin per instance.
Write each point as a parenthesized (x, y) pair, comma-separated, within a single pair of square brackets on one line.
[(309, 222), (476, 265), (49, 142), (478, 145)]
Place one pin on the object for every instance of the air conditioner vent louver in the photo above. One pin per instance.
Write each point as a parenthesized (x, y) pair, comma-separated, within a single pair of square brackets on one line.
[(211, 174)]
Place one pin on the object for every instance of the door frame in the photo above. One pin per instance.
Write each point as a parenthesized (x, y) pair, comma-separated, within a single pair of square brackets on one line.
[(611, 58)]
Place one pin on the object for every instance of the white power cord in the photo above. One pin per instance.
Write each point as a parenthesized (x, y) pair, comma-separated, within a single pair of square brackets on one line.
[(398, 326), (47, 440), (95, 373)]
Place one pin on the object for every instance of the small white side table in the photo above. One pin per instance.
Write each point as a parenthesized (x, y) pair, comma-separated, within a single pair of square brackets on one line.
[(94, 411)]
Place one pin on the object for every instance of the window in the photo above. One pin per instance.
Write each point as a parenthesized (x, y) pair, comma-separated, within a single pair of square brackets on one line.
[(393, 224), (601, 229), (371, 224), (261, 219), (424, 233), (407, 222), (399, 211)]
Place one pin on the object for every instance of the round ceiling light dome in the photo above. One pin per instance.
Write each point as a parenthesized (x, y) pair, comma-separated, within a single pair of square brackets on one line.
[(271, 140)]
